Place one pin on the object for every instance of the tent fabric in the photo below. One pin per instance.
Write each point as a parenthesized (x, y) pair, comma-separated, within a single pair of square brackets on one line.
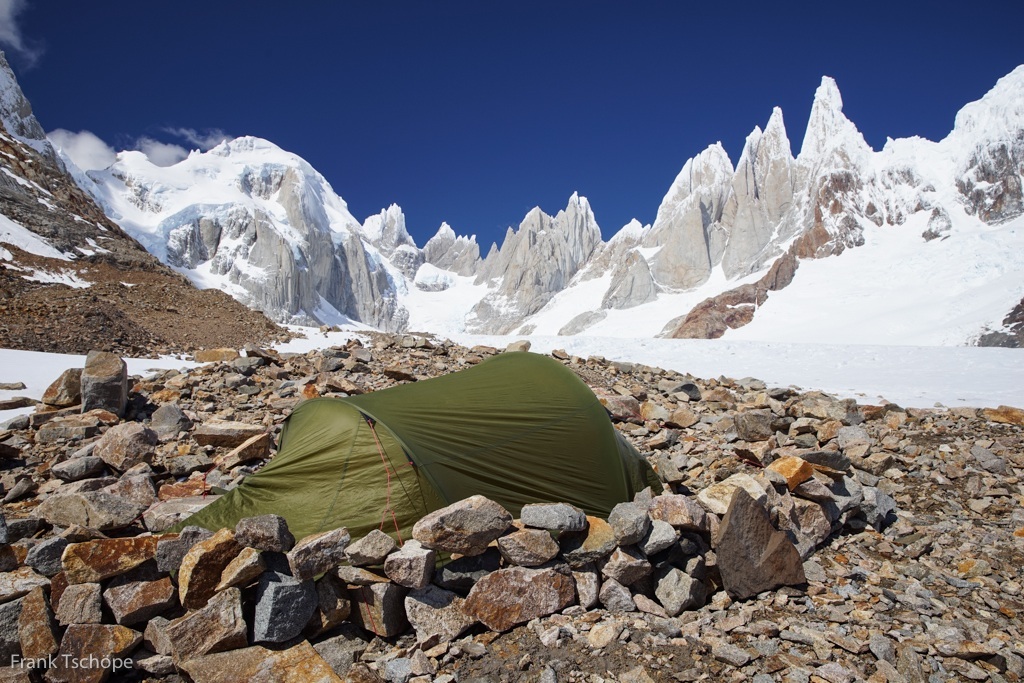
[(517, 428)]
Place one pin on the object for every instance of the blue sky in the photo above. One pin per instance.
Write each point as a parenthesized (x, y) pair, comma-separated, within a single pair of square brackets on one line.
[(475, 112)]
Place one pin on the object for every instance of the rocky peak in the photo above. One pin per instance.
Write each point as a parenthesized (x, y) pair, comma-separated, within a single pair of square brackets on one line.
[(17, 117), (386, 230), (687, 228), (449, 251), (831, 139)]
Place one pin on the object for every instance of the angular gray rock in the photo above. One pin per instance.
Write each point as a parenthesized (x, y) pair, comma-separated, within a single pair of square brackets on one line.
[(216, 627), (93, 509), (44, 556), (371, 549), (629, 522), (437, 613), (104, 383), (168, 420), (677, 591), (752, 555), (528, 547), (284, 606), (411, 566), (171, 551), (265, 532), (75, 469), (553, 516), (81, 603), (318, 553), (627, 566)]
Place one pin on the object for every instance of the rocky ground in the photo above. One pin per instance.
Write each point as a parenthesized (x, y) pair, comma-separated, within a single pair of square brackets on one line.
[(932, 593)]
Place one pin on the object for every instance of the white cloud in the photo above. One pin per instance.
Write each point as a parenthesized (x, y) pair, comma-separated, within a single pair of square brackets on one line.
[(86, 150), (204, 140), (10, 33), (161, 153)]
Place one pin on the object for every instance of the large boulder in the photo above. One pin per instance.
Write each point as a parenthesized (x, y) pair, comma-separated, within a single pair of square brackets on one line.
[(465, 527), (104, 383)]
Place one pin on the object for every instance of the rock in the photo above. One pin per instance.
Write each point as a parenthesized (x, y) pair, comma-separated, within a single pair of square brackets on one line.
[(318, 553), (521, 345), (222, 355), (516, 595), (186, 465), (155, 636), (461, 574), (754, 425), (44, 556), (165, 514), (243, 570), (300, 663), (170, 551), (284, 606), (139, 601), (202, 567), (102, 647), (793, 469), (93, 509), (10, 639), (582, 547), (621, 408), (38, 632), (341, 651), (412, 566), (553, 517), (334, 605), (878, 508), (988, 460), (216, 627), (66, 390), (752, 555), (629, 522), (680, 511), (528, 547), (604, 634), (254, 448), (627, 566), (379, 608), (465, 527), (153, 663), (716, 498), (76, 469), (682, 418), (104, 383), (661, 536), (225, 433), (135, 486), (265, 532), (1003, 414), (677, 591), (730, 654), (653, 411), (81, 603), (24, 487), (371, 549), (588, 588), (615, 597), (97, 560), (169, 420), (436, 613), (127, 444), (833, 460)]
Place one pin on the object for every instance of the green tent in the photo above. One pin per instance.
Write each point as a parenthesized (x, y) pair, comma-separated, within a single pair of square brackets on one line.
[(517, 428)]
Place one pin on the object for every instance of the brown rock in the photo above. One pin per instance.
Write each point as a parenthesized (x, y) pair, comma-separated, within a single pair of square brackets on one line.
[(216, 627), (516, 595), (795, 470), (682, 418), (333, 605), (465, 527), (20, 582), (528, 547), (66, 390), (1003, 414), (298, 664), (126, 445), (94, 561), (202, 567), (752, 555), (140, 600), (582, 547), (621, 408), (196, 485), (215, 355), (37, 627), (223, 433), (89, 643), (242, 570), (680, 511), (254, 448), (98, 510)]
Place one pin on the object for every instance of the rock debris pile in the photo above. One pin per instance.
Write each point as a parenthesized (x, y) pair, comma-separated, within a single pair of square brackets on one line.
[(798, 537)]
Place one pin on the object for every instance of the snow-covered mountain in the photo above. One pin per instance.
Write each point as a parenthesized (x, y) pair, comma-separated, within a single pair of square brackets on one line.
[(730, 251)]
